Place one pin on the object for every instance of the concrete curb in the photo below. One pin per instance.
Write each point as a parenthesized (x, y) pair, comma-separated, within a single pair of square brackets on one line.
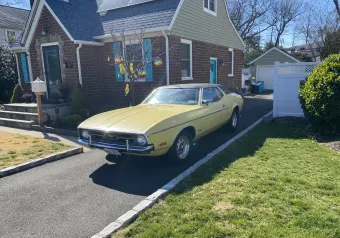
[(37, 162), (148, 202)]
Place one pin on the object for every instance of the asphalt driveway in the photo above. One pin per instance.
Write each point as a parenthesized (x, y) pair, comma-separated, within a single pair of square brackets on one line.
[(79, 196)]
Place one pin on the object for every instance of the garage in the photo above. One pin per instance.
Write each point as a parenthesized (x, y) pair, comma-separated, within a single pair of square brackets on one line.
[(262, 68), (266, 74)]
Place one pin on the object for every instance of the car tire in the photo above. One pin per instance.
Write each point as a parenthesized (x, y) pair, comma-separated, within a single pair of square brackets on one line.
[(180, 150), (233, 121)]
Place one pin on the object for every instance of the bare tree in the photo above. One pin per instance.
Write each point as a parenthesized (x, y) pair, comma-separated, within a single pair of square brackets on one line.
[(283, 13), (337, 7), (250, 17), (133, 58)]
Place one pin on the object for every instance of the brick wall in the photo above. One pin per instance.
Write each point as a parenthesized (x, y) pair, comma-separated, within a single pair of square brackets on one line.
[(201, 63)]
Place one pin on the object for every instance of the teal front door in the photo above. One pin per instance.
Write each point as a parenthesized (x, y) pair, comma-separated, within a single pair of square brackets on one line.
[(213, 71)]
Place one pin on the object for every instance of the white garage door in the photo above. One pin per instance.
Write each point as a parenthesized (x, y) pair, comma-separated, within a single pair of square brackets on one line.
[(266, 74)]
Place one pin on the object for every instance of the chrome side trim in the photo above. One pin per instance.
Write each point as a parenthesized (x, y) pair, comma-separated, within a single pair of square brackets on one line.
[(122, 148)]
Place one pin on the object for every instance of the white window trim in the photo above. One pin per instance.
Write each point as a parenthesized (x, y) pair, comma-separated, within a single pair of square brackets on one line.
[(214, 13), (232, 63), (189, 42), (6, 33)]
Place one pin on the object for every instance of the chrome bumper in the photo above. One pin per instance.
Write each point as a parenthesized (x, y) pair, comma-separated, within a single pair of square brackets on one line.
[(120, 148)]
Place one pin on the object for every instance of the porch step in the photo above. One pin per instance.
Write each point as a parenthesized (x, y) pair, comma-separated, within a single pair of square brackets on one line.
[(27, 116), (16, 123), (21, 107)]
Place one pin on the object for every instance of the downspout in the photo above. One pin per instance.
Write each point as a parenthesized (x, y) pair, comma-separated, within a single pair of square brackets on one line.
[(18, 69), (79, 65), (167, 58)]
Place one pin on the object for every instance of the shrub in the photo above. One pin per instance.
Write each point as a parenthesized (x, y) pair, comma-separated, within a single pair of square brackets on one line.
[(73, 120), (8, 76), (17, 94), (320, 93), (79, 99)]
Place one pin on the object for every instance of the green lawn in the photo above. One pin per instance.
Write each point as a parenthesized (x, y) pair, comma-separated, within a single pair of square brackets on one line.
[(274, 182)]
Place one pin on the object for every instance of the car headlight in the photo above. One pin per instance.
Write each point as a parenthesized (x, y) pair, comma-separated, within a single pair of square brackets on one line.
[(141, 140), (85, 134)]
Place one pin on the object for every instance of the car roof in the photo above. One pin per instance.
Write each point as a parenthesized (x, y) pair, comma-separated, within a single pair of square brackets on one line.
[(191, 85)]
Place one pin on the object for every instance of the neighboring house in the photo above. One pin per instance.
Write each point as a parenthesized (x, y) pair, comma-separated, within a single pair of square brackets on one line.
[(263, 67), (312, 51), (12, 23), (67, 42)]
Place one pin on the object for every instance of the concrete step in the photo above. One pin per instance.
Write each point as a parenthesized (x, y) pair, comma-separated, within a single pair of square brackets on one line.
[(21, 107), (27, 116), (16, 123)]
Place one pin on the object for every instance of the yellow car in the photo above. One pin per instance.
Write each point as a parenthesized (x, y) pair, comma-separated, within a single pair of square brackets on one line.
[(169, 120)]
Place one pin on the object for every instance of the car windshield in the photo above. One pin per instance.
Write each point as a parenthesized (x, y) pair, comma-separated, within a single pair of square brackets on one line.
[(181, 96)]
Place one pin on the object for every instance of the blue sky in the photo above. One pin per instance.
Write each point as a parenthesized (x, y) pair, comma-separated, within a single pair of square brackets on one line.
[(17, 3), (323, 5)]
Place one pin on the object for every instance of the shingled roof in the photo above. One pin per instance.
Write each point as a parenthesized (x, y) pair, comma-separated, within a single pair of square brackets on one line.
[(13, 18), (83, 22), (154, 14)]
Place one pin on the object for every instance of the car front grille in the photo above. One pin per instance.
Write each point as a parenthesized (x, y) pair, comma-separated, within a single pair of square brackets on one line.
[(112, 138)]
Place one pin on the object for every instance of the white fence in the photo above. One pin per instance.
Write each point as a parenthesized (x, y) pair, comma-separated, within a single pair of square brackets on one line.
[(287, 78)]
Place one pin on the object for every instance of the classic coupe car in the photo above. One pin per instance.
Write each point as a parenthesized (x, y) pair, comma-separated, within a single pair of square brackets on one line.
[(169, 120)]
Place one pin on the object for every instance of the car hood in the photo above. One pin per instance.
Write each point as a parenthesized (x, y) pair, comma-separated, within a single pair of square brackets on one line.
[(138, 119)]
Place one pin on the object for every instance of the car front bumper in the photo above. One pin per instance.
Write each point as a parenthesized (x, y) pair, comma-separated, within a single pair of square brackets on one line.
[(121, 148)]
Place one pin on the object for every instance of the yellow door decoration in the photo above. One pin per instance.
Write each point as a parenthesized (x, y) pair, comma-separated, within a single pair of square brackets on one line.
[(127, 89), (122, 69), (131, 68)]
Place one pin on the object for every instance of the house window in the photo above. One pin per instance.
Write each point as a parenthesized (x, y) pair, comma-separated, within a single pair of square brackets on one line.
[(231, 56), (139, 54), (10, 36), (186, 59), (210, 6)]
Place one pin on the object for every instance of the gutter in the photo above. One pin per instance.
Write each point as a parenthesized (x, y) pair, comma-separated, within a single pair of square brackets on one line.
[(88, 43), (167, 58), (79, 65)]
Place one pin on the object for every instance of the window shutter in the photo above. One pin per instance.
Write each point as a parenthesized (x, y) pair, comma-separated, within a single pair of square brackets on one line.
[(116, 50), (24, 67), (147, 47)]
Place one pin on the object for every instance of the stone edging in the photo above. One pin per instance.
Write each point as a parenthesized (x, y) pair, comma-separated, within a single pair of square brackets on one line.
[(37, 162), (148, 202)]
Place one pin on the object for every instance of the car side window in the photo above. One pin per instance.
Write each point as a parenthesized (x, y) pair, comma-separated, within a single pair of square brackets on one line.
[(211, 95)]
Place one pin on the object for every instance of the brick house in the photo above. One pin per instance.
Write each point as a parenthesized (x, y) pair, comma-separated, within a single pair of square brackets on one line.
[(67, 42)]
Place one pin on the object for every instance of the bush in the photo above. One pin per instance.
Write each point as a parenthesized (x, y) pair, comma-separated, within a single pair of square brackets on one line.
[(79, 100), (17, 94), (8, 76), (320, 93), (73, 120)]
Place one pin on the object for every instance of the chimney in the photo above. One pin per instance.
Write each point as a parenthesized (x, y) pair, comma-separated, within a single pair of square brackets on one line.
[(31, 3)]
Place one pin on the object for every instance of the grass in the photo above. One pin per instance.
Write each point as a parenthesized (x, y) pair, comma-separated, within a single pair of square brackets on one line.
[(18, 149), (274, 182)]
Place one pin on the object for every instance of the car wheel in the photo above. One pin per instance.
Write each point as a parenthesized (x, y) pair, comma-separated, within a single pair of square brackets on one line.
[(180, 150), (233, 122)]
